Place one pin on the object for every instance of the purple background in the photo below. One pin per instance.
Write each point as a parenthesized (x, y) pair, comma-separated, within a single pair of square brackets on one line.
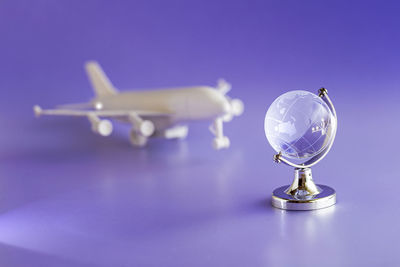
[(71, 198)]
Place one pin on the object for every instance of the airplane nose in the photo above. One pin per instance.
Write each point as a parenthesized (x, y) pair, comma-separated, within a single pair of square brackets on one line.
[(226, 107), (210, 103), (222, 106)]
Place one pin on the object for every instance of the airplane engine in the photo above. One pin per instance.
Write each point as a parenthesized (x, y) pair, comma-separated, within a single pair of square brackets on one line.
[(146, 128), (101, 127)]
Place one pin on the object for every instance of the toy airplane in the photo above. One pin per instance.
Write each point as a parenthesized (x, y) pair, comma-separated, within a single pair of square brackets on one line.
[(156, 113)]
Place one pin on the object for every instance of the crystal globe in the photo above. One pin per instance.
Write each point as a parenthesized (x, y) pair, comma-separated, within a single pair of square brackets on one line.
[(299, 124)]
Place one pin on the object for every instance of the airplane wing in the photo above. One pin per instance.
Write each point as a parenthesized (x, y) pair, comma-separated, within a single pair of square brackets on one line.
[(104, 127)]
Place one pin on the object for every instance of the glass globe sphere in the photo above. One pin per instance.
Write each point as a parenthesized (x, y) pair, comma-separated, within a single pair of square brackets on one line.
[(299, 124)]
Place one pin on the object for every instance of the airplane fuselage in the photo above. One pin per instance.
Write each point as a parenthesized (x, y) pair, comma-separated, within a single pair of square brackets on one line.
[(182, 104)]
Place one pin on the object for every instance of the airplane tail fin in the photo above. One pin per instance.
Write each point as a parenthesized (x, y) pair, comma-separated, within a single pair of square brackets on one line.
[(100, 82)]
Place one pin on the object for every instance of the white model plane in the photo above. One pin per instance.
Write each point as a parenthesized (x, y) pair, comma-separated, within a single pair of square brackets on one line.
[(155, 113)]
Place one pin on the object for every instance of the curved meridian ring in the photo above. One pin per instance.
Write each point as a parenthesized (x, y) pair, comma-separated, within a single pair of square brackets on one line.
[(323, 93)]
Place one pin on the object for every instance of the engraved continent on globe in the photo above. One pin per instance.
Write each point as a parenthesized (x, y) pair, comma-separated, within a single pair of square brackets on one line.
[(299, 124)]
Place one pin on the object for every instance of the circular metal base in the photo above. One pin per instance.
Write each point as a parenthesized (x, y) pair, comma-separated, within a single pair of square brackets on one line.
[(325, 199)]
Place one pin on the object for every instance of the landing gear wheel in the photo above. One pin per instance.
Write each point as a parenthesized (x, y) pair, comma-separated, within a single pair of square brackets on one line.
[(177, 132), (183, 132), (137, 139), (222, 142)]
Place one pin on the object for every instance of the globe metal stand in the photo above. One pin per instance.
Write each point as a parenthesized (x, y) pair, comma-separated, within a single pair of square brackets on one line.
[(303, 193)]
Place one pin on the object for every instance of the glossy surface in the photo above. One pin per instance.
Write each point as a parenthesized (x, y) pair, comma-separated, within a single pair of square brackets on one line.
[(71, 198), (326, 198)]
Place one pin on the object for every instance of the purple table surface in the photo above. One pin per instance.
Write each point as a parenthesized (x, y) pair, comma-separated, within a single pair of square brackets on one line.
[(71, 198)]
